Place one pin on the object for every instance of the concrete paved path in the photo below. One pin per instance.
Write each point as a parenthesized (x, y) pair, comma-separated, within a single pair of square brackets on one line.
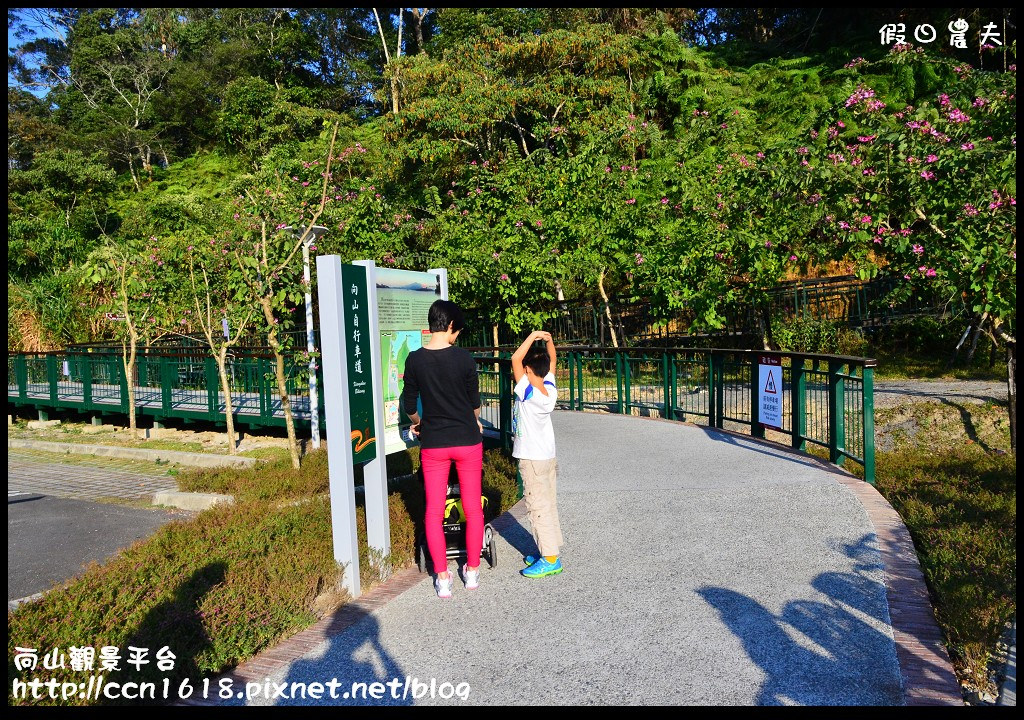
[(701, 568)]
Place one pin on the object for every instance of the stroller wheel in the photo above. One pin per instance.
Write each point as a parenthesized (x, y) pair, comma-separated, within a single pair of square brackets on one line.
[(491, 547)]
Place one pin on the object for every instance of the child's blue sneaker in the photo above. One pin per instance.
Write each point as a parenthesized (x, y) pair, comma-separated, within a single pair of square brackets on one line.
[(542, 568)]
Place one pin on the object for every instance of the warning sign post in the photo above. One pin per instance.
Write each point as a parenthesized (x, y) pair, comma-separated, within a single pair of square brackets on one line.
[(769, 406)]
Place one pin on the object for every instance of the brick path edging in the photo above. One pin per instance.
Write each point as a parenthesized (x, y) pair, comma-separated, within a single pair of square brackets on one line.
[(296, 646), (925, 669)]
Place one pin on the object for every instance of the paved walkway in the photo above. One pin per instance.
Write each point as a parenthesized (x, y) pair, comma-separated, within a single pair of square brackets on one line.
[(701, 568), (83, 478)]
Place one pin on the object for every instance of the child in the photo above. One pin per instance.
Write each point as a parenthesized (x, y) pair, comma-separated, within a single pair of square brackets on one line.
[(534, 446)]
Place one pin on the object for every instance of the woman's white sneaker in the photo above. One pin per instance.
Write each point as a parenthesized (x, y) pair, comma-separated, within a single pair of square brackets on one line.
[(443, 586), (471, 577)]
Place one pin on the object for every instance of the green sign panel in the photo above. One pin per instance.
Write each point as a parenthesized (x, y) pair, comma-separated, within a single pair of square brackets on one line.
[(356, 313), (404, 298)]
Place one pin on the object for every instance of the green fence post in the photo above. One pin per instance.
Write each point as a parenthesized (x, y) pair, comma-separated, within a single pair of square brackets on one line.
[(572, 380), (674, 385), (836, 395), (712, 392), (261, 382), (798, 403), (719, 390), (211, 388), (51, 378), (122, 381), (86, 364), (505, 403), (619, 383), (166, 386), (21, 375), (666, 382), (628, 393), (869, 424), (756, 428)]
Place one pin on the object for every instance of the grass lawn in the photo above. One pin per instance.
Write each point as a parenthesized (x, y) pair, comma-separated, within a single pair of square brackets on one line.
[(950, 476), (218, 588)]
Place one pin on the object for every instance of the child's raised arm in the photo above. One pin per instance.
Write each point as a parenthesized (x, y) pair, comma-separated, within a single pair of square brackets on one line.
[(552, 353), (517, 357)]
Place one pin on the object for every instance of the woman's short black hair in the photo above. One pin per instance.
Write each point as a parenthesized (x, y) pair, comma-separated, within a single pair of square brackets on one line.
[(443, 313)]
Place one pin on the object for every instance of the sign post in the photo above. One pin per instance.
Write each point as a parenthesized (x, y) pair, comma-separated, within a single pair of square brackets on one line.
[(370, 320), (769, 406), (375, 474), (340, 467)]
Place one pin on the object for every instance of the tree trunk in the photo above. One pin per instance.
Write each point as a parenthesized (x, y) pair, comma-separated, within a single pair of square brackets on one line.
[(282, 387), (286, 405), (764, 323), (1011, 391), (129, 381), (607, 309), (419, 14), (226, 388), (974, 339)]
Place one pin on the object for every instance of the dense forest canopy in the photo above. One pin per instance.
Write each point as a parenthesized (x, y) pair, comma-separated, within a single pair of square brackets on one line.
[(690, 157)]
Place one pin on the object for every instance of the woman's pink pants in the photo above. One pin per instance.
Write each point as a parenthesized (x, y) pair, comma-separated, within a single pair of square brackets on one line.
[(469, 461)]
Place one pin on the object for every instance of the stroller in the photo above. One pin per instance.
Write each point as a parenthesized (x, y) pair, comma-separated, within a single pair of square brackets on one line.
[(454, 526)]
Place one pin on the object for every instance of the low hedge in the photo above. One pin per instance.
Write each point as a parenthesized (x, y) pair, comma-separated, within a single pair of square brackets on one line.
[(222, 586)]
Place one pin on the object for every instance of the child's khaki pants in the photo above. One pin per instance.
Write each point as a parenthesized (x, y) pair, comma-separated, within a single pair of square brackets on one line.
[(539, 480)]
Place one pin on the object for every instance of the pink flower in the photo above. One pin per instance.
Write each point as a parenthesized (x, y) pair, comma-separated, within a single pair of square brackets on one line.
[(970, 210), (504, 276), (957, 116), (922, 268), (519, 224), (538, 223), (664, 201), (639, 259), (767, 243), (631, 201), (792, 257), (931, 158), (866, 219), (495, 255), (917, 249), (760, 156), (607, 169), (906, 277), (930, 273), (866, 139), (927, 175), (844, 225), (869, 171)]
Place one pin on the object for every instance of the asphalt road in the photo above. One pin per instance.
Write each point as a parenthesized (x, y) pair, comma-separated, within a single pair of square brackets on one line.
[(51, 539)]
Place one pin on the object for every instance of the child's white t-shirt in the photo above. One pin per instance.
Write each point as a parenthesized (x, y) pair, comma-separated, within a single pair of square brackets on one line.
[(534, 436)]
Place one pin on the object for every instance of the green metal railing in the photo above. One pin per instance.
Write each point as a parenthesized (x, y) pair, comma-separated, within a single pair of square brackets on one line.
[(827, 400)]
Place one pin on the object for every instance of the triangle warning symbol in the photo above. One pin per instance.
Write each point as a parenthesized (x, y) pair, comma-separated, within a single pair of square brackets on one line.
[(769, 387)]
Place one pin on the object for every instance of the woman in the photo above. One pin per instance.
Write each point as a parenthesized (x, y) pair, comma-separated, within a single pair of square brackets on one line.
[(444, 378)]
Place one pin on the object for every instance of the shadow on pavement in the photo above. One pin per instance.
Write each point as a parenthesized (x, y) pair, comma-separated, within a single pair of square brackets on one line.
[(357, 659), (813, 653)]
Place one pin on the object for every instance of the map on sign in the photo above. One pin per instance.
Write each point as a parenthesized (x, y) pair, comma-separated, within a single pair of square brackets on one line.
[(403, 300)]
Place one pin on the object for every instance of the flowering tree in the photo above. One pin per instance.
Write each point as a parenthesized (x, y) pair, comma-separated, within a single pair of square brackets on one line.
[(928, 191), (266, 252)]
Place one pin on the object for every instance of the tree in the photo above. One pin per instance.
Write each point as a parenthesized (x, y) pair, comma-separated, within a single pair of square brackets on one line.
[(265, 253), (131, 275)]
